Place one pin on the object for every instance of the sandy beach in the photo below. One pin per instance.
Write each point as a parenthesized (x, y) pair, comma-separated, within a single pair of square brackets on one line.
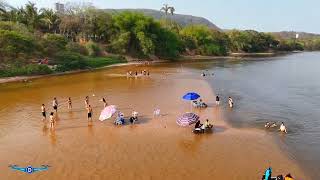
[(154, 148)]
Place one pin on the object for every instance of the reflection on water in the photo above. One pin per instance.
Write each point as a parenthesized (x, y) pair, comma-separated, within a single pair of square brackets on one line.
[(281, 89)]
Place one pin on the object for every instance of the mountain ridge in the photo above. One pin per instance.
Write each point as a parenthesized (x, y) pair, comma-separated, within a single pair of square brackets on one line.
[(181, 19)]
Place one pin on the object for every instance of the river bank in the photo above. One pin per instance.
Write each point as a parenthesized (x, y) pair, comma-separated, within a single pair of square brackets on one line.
[(154, 148), (132, 61)]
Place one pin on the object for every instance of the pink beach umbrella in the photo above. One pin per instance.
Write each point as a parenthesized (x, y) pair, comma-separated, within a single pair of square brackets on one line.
[(107, 112), (187, 119)]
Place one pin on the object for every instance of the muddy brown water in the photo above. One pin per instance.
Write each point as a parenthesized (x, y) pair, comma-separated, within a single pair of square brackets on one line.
[(154, 148)]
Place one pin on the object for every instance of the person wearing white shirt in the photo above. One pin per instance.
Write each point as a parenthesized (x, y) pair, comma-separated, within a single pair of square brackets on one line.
[(283, 128)]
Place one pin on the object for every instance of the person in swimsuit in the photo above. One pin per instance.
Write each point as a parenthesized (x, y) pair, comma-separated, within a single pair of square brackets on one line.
[(89, 109), (86, 101), (217, 100), (52, 120), (55, 104), (104, 102), (43, 109), (69, 103), (230, 102), (283, 128)]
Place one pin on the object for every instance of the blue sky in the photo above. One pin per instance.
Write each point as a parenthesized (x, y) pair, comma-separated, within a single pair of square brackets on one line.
[(261, 15)]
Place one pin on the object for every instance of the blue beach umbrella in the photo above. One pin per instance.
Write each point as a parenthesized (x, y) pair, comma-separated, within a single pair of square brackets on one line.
[(191, 96)]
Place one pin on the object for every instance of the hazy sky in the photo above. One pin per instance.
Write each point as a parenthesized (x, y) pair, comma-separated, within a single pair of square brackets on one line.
[(261, 15)]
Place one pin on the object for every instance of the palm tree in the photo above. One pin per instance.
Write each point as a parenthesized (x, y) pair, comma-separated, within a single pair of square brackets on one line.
[(31, 13), (50, 18), (172, 10), (165, 8), (3, 11)]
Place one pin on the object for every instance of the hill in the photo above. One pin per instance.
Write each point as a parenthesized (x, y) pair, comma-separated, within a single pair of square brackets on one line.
[(181, 19), (292, 34)]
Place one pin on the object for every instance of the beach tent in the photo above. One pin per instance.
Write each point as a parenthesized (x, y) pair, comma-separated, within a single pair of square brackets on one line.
[(107, 112), (187, 119)]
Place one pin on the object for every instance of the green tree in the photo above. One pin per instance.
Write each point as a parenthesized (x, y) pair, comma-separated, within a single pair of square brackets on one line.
[(204, 41), (53, 43), (138, 30), (50, 18), (14, 44)]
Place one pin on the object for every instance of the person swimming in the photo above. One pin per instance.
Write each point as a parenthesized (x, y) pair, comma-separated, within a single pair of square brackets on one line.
[(270, 125), (89, 110), (69, 103), (55, 104), (43, 110), (283, 128)]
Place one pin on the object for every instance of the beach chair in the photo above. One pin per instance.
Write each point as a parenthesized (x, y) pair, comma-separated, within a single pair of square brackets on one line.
[(196, 104), (197, 130)]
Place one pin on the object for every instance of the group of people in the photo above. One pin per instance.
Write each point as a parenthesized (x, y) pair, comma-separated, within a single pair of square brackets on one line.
[(55, 105), (207, 74), (199, 104), (143, 72), (201, 128), (274, 124), (268, 176), (230, 101), (120, 120)]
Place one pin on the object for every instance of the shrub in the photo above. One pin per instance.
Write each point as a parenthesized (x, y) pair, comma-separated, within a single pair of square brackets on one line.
[(93, 49), (53, 43), (69, 61), (104, 61), (77, 48), (31, 69), (13, 44)]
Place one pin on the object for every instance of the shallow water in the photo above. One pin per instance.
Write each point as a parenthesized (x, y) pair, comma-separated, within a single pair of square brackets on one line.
[(281, 89), (78, 151)]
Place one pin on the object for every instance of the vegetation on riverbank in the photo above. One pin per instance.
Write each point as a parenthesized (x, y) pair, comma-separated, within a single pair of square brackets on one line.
[(34, 41)]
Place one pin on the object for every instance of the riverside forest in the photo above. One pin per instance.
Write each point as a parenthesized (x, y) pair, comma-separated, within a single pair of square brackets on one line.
[(42, 41)]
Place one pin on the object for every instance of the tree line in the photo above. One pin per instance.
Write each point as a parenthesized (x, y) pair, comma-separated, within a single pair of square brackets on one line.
[(67, 38)]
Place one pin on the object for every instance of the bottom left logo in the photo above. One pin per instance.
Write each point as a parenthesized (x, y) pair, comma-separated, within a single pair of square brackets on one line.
[(29, 169)]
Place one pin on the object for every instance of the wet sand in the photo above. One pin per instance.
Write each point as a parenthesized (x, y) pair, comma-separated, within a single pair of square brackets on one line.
[(154, 148)]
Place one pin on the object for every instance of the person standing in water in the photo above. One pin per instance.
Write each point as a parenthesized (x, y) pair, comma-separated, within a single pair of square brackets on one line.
[(69, 103), (86, 101), (283, 128), (89, 110), (55, 104), (52, 120), (104, 102), (217, 100), (230, 102), (43, 110)]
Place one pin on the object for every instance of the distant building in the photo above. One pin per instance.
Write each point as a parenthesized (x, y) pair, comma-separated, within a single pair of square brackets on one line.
[(59, 7)]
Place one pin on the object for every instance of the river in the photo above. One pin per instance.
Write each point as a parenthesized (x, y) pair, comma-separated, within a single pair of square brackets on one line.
[(281, 89)]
